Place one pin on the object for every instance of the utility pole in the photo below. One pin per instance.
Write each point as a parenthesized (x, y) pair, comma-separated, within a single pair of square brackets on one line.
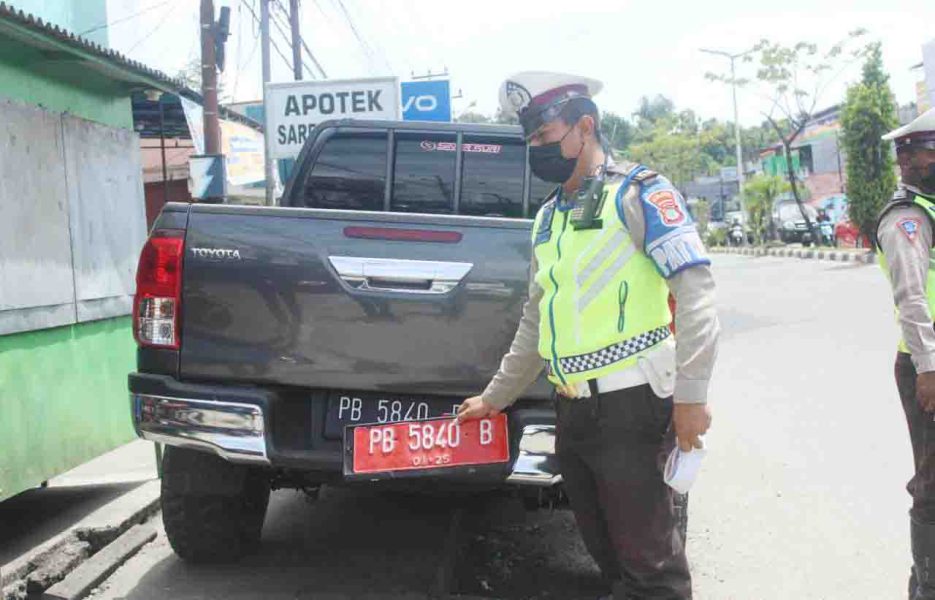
[(209, 79), (296, 39), (739, 150), (267, 134)]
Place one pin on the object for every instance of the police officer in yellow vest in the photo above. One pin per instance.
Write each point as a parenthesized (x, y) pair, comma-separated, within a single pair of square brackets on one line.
[(904, 233), (609, 245)]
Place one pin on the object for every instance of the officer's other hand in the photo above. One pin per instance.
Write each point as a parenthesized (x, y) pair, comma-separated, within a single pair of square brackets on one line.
[(475, 408), (690, 421), (925, 390)]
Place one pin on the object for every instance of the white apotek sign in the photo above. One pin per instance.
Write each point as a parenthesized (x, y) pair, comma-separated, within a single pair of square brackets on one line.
[(296, 107)]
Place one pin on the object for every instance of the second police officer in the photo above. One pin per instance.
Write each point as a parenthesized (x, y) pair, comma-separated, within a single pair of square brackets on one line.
[(609, 245), (905, 235)]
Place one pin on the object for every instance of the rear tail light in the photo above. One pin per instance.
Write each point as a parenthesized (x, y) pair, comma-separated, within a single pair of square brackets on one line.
[(158, 298)]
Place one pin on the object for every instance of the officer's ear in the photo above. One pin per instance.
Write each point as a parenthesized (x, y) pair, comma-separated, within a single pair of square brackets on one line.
[(586, 125)]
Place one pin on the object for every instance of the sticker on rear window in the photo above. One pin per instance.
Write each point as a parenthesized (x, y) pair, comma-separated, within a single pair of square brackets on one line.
[(430, 146)]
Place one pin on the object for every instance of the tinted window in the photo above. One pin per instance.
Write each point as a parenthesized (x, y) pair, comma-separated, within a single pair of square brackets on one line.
[(424, 173), (492, 177), (350, 173), (539, 191)]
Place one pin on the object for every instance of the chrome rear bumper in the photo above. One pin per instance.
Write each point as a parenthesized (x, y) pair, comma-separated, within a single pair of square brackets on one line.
[(237, 432), (537, 464), (233, 431)]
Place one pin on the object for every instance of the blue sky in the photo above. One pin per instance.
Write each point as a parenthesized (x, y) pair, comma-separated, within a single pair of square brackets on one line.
[(635, 48)]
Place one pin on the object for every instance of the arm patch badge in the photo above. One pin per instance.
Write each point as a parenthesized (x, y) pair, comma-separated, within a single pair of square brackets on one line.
[(910, 228), (668, 206)]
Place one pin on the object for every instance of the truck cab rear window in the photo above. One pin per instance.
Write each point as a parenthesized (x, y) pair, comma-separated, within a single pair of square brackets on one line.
[(424, 173), (350, 173), (539, 191), (492, 177)]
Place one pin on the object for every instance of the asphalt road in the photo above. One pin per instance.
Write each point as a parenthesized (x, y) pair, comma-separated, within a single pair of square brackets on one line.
[(801, 495)]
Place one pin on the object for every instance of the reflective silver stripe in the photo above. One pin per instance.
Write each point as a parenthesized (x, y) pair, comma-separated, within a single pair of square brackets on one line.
[(617, 239), (606, 277), (614, 353)]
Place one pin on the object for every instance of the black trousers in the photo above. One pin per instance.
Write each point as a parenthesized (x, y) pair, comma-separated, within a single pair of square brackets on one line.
[(612, 450), (922, 433)]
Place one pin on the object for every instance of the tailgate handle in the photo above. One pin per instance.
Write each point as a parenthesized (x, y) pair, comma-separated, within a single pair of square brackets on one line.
[(399, 275)]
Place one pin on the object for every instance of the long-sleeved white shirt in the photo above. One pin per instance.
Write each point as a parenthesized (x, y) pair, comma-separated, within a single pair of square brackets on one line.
[(905, 236)]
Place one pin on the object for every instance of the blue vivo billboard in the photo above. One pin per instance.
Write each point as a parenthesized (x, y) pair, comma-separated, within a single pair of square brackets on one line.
[(426, 101)]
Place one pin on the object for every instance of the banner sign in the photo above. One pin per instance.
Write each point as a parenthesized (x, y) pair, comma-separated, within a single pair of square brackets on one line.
[(426, 101), (294, 108)]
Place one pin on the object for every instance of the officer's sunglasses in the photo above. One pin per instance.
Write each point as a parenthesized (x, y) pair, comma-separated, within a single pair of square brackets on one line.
[(533, 119)]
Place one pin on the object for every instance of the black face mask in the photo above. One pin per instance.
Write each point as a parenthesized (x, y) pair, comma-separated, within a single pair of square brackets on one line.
[(927, 183), (548, 164)]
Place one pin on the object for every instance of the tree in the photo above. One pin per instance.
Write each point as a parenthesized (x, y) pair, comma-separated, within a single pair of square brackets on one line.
[(701, 211), (675, 154), (796, 76), (190, 75), (869, 112), (652, 109), (761, 193), (617, 131), (472, 117)]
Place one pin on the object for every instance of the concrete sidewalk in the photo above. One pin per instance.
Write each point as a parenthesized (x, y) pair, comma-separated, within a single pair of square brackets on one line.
[(39, 528), (821, 253)]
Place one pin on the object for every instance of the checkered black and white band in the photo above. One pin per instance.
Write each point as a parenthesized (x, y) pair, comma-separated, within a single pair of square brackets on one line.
[(614, 353)]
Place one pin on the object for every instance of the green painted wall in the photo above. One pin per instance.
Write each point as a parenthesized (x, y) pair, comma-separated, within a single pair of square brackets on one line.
[(62, 85), (77, 16), (63, 399)]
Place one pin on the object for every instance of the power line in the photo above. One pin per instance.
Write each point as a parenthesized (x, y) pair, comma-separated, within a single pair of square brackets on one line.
[(133, 16), (380, 50), (279, 27), (314, 60), (305, 46), (272, 41), (153, 31), (368, 51)]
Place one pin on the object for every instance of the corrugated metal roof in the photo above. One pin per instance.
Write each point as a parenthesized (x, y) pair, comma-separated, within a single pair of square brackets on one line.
[(114, 59), (19, 17)]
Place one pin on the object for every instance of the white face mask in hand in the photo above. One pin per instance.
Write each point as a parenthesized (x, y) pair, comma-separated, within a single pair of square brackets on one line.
[(682, 467)]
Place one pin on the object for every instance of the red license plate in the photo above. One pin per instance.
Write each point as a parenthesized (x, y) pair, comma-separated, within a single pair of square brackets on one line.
[(430, 444)]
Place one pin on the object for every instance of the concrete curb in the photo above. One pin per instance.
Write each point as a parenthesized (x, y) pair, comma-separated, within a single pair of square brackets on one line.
[(866, 257), (49, 563), (97, 568)]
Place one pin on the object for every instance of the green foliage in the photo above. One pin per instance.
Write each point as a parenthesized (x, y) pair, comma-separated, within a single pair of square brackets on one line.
[(616, 130), (869, 112), (701, 211), (472, 117), (796, 76), (716, 237), (670, 150), (760, 194)]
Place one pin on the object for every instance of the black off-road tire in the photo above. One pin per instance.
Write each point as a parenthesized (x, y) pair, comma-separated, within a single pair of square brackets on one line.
[(212, 510)]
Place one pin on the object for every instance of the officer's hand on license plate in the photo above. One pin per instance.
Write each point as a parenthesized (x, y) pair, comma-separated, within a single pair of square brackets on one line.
[(925, 390), (475, 408), (690, 421)]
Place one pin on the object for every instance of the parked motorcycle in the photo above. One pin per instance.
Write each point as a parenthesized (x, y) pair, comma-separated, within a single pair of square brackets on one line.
[(735, 235), (826, 229)]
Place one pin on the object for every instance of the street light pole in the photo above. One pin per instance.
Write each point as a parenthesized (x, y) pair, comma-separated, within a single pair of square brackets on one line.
[(738, 148), (267, 134)]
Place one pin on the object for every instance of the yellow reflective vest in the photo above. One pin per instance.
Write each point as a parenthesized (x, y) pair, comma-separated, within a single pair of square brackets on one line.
[(604, 302)]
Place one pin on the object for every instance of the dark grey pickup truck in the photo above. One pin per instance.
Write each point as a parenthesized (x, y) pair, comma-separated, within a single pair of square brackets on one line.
[(329, 339)]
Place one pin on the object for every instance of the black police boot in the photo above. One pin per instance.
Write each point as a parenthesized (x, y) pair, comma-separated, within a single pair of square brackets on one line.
[(923, 557)]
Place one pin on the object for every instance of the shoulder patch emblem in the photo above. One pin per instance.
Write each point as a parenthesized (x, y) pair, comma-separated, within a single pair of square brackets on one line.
[(910, 228), (668, 207)]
